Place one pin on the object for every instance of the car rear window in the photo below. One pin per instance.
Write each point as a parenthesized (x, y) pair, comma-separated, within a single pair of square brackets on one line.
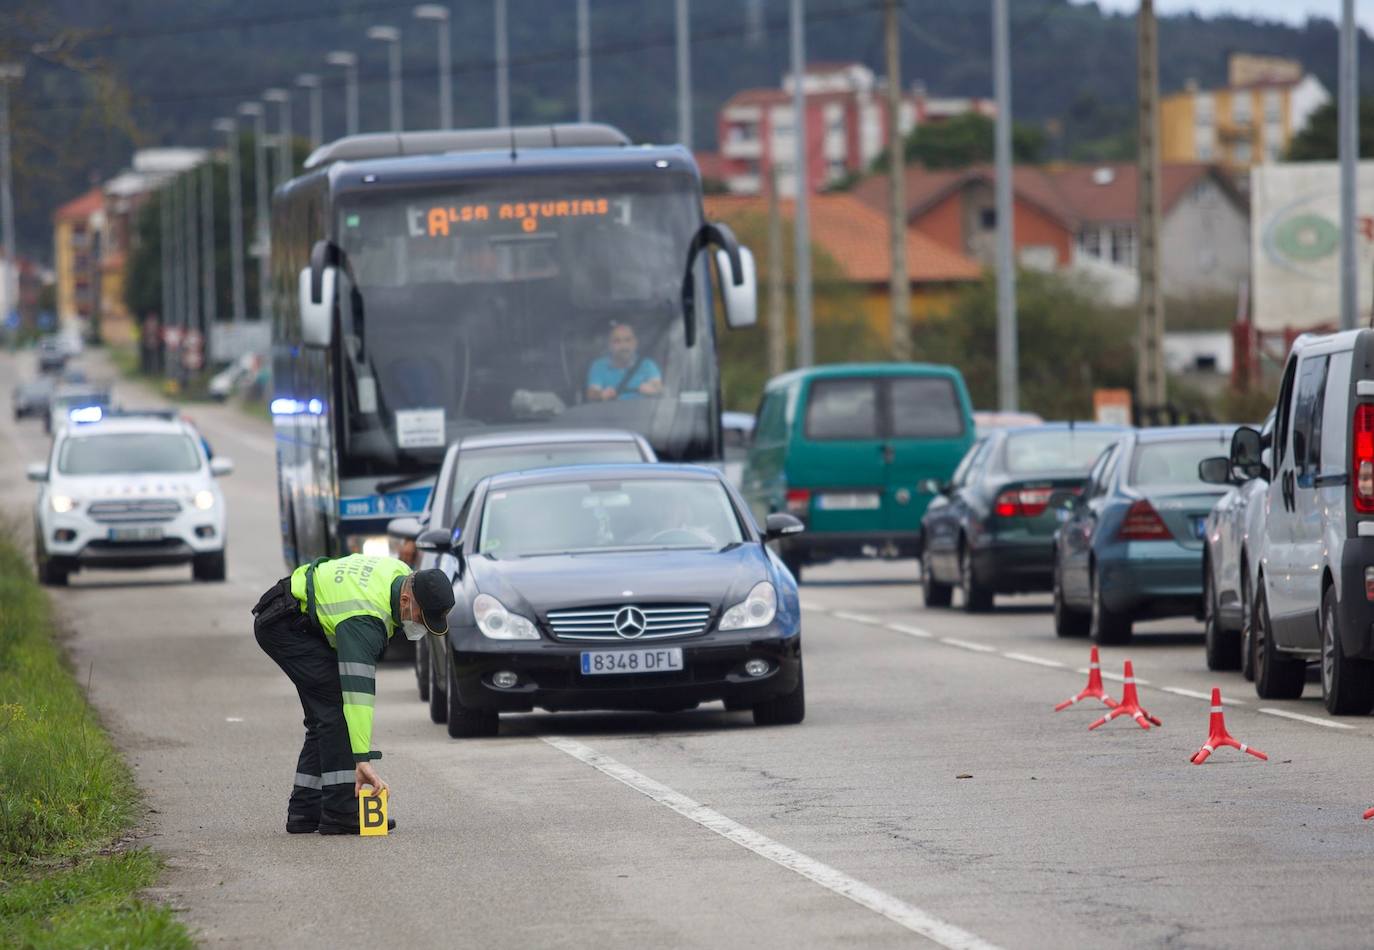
[(842, 409), (1171, 464), (128, 453), (476, 464), (924, 408), (1054, 450)]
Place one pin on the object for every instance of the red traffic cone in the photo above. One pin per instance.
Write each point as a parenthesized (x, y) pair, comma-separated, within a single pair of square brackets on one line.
[(1130, 704), (1369, 814), (1218, 736), (1094, 688)]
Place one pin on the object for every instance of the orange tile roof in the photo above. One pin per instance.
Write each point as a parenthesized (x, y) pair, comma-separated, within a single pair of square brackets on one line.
[(81, 208), (857, 237)]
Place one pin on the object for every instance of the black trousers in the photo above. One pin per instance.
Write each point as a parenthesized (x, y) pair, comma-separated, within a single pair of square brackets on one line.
[(322, 794)]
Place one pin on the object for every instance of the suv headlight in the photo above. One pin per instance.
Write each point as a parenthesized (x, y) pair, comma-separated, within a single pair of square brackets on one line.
[(498, 623), (757, 610), (62, 503), (204, 499)]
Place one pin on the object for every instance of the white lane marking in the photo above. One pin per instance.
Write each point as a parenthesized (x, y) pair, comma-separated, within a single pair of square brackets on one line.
[(812, 605), (856, 618), (1194, 694), (233, 719), (865, 895), (1037, 660), (1118, 678), (910, 631), (967, 645), (1299, 717)]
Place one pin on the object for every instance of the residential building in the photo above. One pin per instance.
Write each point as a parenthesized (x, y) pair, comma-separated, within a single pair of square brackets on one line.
[(1082, 218), (846, 124), (856, 238), (1249, 121), (77, 229)]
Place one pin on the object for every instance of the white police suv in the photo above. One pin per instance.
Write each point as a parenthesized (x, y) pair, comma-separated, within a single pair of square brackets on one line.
[(129, 490)]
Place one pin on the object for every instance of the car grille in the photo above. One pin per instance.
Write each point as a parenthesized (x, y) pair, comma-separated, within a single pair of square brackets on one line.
[(661, 622), (134, 509)]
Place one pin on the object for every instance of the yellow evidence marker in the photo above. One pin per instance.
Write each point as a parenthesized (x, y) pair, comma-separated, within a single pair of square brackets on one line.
[(371, 812)]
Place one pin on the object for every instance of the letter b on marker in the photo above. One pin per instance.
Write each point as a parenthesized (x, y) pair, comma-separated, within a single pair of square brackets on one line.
[(371, 812)]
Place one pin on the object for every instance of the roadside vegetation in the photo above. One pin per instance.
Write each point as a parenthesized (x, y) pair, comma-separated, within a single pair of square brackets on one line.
[(68, 876)]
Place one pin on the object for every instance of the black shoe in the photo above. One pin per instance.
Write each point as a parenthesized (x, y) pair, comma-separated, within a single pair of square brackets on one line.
[(352, 829)]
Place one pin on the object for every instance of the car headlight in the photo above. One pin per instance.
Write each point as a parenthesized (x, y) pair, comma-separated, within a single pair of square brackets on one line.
[(498, 623), (204, 500), (757, 610), (62, 503)]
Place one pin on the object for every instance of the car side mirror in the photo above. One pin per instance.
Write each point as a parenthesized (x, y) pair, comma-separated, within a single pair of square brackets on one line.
[(932, 486), (407, 528), (1064, 501), (220, 466), (1247, 452), (1266, 463), (1215, 470), (780, 524), (437, 540), (36, 472)]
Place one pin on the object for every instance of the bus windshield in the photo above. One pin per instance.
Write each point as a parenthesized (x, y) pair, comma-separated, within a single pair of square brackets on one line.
[(522, 300)]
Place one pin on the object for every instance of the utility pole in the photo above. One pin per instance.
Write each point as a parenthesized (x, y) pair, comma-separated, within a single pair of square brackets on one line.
[(502, 67), (192, 252), (285, 162), (1150, 381), (349, 63), (261, 234), (584, 62), (1008, 373), (684, 74), (392, 37), (900, 284), (9, 72), (164, 239), (230, 128), (1348, 149), (311, 82), (174, 271), (777, 284), (207, 250), (439, 14), (806, 344)]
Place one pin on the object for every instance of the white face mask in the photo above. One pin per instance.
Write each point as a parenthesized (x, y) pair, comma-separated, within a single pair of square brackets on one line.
[(413, 630)]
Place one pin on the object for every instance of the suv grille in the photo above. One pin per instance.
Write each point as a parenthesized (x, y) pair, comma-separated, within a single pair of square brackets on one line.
[(140, 509), (619, 622)]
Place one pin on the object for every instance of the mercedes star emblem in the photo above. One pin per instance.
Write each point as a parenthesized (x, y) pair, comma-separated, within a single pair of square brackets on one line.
[(630, 622)]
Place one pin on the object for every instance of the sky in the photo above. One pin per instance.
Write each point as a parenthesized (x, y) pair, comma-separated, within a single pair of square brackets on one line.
[(1292, 11)]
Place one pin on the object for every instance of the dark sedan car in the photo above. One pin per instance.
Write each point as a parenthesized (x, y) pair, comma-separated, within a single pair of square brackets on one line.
[(615, 587), (1131, 545), (990, 530)]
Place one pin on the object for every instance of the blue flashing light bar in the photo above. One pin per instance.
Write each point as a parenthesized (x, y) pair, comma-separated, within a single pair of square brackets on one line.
[(285, 406), (86, 414)]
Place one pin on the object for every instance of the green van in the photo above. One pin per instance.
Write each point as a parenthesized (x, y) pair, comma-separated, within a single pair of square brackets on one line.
[(844, 448)]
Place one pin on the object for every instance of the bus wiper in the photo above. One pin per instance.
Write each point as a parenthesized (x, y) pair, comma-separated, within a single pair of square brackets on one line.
[(389, 484)]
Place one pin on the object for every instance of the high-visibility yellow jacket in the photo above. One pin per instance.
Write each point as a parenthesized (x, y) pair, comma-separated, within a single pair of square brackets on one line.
[(355, 602)]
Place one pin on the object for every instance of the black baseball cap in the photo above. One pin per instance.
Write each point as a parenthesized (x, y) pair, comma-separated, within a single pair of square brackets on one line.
[(434, 593)]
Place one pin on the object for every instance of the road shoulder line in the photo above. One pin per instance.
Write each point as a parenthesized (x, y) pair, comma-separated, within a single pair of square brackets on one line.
[(1299, 717), (898, 911)]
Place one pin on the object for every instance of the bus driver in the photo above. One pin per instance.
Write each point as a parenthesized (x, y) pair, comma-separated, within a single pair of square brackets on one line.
[(623, 373)]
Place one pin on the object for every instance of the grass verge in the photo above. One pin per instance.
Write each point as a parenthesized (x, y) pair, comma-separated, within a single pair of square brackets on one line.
[(66, 797)]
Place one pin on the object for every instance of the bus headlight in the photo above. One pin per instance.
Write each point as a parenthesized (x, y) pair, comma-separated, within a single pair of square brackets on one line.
[(498, 623), (204, 500), (757, 610)]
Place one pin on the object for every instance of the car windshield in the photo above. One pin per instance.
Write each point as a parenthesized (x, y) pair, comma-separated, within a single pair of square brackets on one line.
[(476, 464), (63, 400), (1171, 464), (128, 453), (1054, 450), (603, 516)]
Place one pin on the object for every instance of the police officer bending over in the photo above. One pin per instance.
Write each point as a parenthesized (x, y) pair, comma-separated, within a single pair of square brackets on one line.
[(326, 626)]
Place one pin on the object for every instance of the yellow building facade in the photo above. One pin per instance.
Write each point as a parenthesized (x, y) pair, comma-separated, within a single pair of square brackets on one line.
[(1237, 126)]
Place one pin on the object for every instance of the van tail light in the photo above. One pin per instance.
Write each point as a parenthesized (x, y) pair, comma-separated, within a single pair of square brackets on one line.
[(1362, 458), (798, 501), (1143, 523), (1022, 502)]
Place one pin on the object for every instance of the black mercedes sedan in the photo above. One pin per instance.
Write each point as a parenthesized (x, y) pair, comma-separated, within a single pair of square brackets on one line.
[(990, 529), (620, 587)]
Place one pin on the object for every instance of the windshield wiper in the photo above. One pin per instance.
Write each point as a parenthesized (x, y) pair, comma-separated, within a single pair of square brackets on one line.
[(388, 484)]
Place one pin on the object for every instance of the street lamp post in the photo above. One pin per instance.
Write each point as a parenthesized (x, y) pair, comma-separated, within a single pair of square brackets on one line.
[(231, 129), (349, 62), (584, 62), (284, 159), (164, 238), (9, 72), (502, 67), (439, 14), (262, 237), (392, 37), (311, 82), (207, 251)]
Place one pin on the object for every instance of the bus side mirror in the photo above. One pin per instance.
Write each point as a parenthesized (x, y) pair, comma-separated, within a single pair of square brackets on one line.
[(739, 290), (317, 306)]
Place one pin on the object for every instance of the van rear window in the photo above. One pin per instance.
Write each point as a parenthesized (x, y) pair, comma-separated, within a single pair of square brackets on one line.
[(842, 409), (925, 408)]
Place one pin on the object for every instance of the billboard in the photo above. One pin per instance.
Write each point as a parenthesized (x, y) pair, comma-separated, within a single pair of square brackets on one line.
[(1295, 231)]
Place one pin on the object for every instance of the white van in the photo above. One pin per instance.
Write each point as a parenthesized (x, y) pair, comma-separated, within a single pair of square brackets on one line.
[(1315, 590)]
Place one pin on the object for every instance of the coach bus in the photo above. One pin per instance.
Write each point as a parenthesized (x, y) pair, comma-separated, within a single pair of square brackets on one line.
[(429, 284)]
